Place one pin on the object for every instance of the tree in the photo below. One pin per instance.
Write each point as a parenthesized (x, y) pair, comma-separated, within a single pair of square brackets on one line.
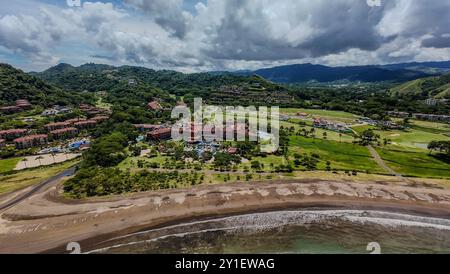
[(25, 160), (256, 165), (53, 156), (325, 135), (39, 160), (368, 137)]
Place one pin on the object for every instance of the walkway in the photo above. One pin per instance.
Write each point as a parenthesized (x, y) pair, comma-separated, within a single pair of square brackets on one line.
[(382, 164)]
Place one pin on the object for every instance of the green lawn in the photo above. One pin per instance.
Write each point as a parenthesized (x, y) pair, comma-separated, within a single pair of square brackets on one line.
[(131, 162), (33, 176), (412, 138), (413, 163), (326, 114), (331, 135), (266, 161), (8, 164), (343, 156)]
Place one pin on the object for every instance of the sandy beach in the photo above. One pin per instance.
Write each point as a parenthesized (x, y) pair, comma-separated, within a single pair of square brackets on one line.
[(46, 222)]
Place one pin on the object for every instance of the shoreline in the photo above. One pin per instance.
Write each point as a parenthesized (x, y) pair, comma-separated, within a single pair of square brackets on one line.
[(45, 223), (100, 241)]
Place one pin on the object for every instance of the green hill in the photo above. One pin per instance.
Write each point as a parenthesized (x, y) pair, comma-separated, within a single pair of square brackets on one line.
[(437, 87), (16, 84), (126, 81)]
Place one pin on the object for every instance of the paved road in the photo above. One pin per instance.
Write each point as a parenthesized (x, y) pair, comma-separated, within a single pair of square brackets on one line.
[(47, 183), (382, 164)]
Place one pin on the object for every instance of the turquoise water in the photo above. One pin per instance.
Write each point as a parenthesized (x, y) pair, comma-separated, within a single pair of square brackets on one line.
[(305, 231)]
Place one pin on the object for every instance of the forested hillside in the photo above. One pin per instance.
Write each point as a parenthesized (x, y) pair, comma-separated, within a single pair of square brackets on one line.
[(15, 84)]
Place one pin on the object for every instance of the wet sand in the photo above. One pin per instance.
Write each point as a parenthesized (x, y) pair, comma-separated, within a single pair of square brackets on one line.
[(46, 222)]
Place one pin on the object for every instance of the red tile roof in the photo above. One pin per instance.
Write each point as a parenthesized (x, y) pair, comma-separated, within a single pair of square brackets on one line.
[(63, 130), (59, 124), (13, 131), (154, 105), (30, 138)]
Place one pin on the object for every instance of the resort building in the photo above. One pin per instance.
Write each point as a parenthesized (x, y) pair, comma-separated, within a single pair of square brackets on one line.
[(75, 120), (11, 134), (85, 124), (398, 114), (9, 109), (432, 117), (100, 118), (20, 105), (146, 127), (31, 141), (55, 126), (91, 110), (23, 104), (160, 134), (154, 105), (64, 133)]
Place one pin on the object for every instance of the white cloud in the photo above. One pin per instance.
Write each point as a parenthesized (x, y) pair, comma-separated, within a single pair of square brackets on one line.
[(232, 34)]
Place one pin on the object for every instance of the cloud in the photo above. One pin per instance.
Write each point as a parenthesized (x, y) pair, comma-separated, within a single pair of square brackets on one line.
[(232, 34), (167, 13)]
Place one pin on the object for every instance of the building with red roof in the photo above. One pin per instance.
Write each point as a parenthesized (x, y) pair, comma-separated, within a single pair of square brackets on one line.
[(11, 134), (100, 118), (75, 120), (154, 105), (31, 141), (64, 133), (160, 134), (10, 109), (23, 104), (85, 124), (146, 127), (55, 126)]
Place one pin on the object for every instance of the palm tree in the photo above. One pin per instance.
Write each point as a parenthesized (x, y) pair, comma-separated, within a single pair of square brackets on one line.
[(53, 156), (39, 159), (25, 160)]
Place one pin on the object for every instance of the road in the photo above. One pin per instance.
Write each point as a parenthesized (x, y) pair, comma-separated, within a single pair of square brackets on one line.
[(47, 183), (382, 164)]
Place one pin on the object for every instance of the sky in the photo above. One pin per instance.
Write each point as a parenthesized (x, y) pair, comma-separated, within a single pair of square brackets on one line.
[(213, 35)]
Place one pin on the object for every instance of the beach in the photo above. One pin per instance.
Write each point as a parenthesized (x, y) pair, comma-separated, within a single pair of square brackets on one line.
[(46, 222)]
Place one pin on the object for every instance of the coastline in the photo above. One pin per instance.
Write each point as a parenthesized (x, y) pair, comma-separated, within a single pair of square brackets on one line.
[(45, 223)]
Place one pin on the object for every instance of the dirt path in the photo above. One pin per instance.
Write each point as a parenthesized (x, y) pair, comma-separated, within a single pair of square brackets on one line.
[(382, 164)]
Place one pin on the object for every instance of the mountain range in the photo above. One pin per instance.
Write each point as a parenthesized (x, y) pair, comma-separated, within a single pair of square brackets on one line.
[(303, 73)]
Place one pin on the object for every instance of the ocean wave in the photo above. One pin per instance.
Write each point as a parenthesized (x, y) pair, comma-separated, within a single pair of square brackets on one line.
[(260, 222)]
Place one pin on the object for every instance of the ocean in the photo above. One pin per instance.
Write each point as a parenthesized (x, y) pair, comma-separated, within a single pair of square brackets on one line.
[(293, 232)]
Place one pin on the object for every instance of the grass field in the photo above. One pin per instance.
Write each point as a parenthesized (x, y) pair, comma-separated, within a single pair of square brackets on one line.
[(412, 163), (343, 156), (131, 162), (326, 114), (26, 178), (411, 137), (331, 135), (8, 164)]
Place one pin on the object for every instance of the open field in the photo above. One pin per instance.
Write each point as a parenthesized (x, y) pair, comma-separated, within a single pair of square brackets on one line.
[(412, 138), (326, 114), (30, 177), (131, 162), (318, 132), (9, 164), (342, 156), (411, 163)]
